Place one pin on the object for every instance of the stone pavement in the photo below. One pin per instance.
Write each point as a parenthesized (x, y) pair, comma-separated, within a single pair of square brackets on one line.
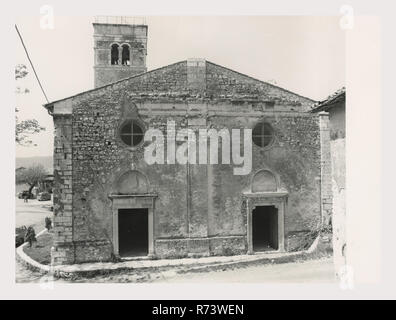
[(140, 264), (188, 264), (169, 263), (24, 274)]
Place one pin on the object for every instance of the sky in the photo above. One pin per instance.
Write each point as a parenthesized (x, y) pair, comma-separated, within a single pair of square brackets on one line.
[(303, 54)]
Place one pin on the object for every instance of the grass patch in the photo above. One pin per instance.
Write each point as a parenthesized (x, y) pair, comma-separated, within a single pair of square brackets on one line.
[(41, 250)]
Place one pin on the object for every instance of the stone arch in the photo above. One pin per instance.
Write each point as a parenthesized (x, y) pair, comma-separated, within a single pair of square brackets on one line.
[(131, 182), (114, 53), (264, 181), (125, 54)]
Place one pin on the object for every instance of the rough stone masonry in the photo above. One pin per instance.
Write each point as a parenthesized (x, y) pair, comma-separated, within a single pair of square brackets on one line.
[(103, 187)]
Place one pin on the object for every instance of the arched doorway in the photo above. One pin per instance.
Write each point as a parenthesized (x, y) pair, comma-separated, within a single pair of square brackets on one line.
[(266, 210), (114, 54), (133, 211), (125, 55)]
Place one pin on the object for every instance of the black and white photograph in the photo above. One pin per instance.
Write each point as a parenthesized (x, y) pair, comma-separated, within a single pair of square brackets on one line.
[(168, 148)]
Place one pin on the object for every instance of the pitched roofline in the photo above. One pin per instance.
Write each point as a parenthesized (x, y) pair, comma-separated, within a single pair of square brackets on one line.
[(49, 104), (255, 79)]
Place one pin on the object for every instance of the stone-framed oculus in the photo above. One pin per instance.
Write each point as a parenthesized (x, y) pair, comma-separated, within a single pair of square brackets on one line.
[(131, 133), (263, 134)]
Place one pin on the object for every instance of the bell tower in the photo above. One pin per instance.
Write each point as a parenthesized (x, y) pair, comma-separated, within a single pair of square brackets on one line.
[(120, 46)]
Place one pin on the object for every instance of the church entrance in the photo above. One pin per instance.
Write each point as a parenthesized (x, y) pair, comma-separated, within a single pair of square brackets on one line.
[(133, 232), (265, 228)]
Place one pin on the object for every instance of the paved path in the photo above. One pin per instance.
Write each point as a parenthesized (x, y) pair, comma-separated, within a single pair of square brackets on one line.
[(142, 264), (27, 214), (310, 271), (22, 274), (32, 213)]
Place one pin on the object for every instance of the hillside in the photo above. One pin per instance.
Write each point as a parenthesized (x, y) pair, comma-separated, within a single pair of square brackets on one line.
[(46, 161)]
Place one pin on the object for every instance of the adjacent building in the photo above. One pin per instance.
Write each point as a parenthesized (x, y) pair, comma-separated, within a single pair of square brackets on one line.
[(334, 105)]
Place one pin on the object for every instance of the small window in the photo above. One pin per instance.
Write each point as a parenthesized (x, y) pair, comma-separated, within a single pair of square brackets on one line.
[(263, 134), (131, 133), (114, 54), (125, 55)]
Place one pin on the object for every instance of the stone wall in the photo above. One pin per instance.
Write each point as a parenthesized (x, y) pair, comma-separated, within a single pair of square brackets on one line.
[(226, 83), (325, 176), (208, 82), (108, 74), (339, 205), (105, 35), (63, 250), (199, 209), (294, 157), (198, 206), (337, 121)]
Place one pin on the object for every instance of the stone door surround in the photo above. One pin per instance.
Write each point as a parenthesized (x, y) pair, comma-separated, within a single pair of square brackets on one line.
[(276, 199), (133, 201)]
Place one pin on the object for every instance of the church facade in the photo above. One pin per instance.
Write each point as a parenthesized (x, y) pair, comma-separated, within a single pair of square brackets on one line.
[(110, 202)]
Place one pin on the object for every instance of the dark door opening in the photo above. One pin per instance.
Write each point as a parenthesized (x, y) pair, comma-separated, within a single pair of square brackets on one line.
[(265, 228), (133, 232)]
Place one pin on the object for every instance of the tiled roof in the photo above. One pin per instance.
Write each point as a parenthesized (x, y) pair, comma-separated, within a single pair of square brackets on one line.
[(330, 101)]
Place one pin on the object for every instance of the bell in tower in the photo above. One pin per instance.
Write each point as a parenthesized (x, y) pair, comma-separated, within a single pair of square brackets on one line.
[(120, 45)]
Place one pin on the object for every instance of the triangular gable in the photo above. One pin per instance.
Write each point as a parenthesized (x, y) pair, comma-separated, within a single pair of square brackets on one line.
[(201, 79), (224, 82)]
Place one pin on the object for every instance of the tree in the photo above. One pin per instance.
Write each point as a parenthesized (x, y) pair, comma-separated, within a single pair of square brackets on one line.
[(25, 128), (20, 71), (32, 176)]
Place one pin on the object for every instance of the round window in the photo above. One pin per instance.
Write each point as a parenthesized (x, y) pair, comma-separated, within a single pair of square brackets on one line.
[(263, 134), (131, 133)]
